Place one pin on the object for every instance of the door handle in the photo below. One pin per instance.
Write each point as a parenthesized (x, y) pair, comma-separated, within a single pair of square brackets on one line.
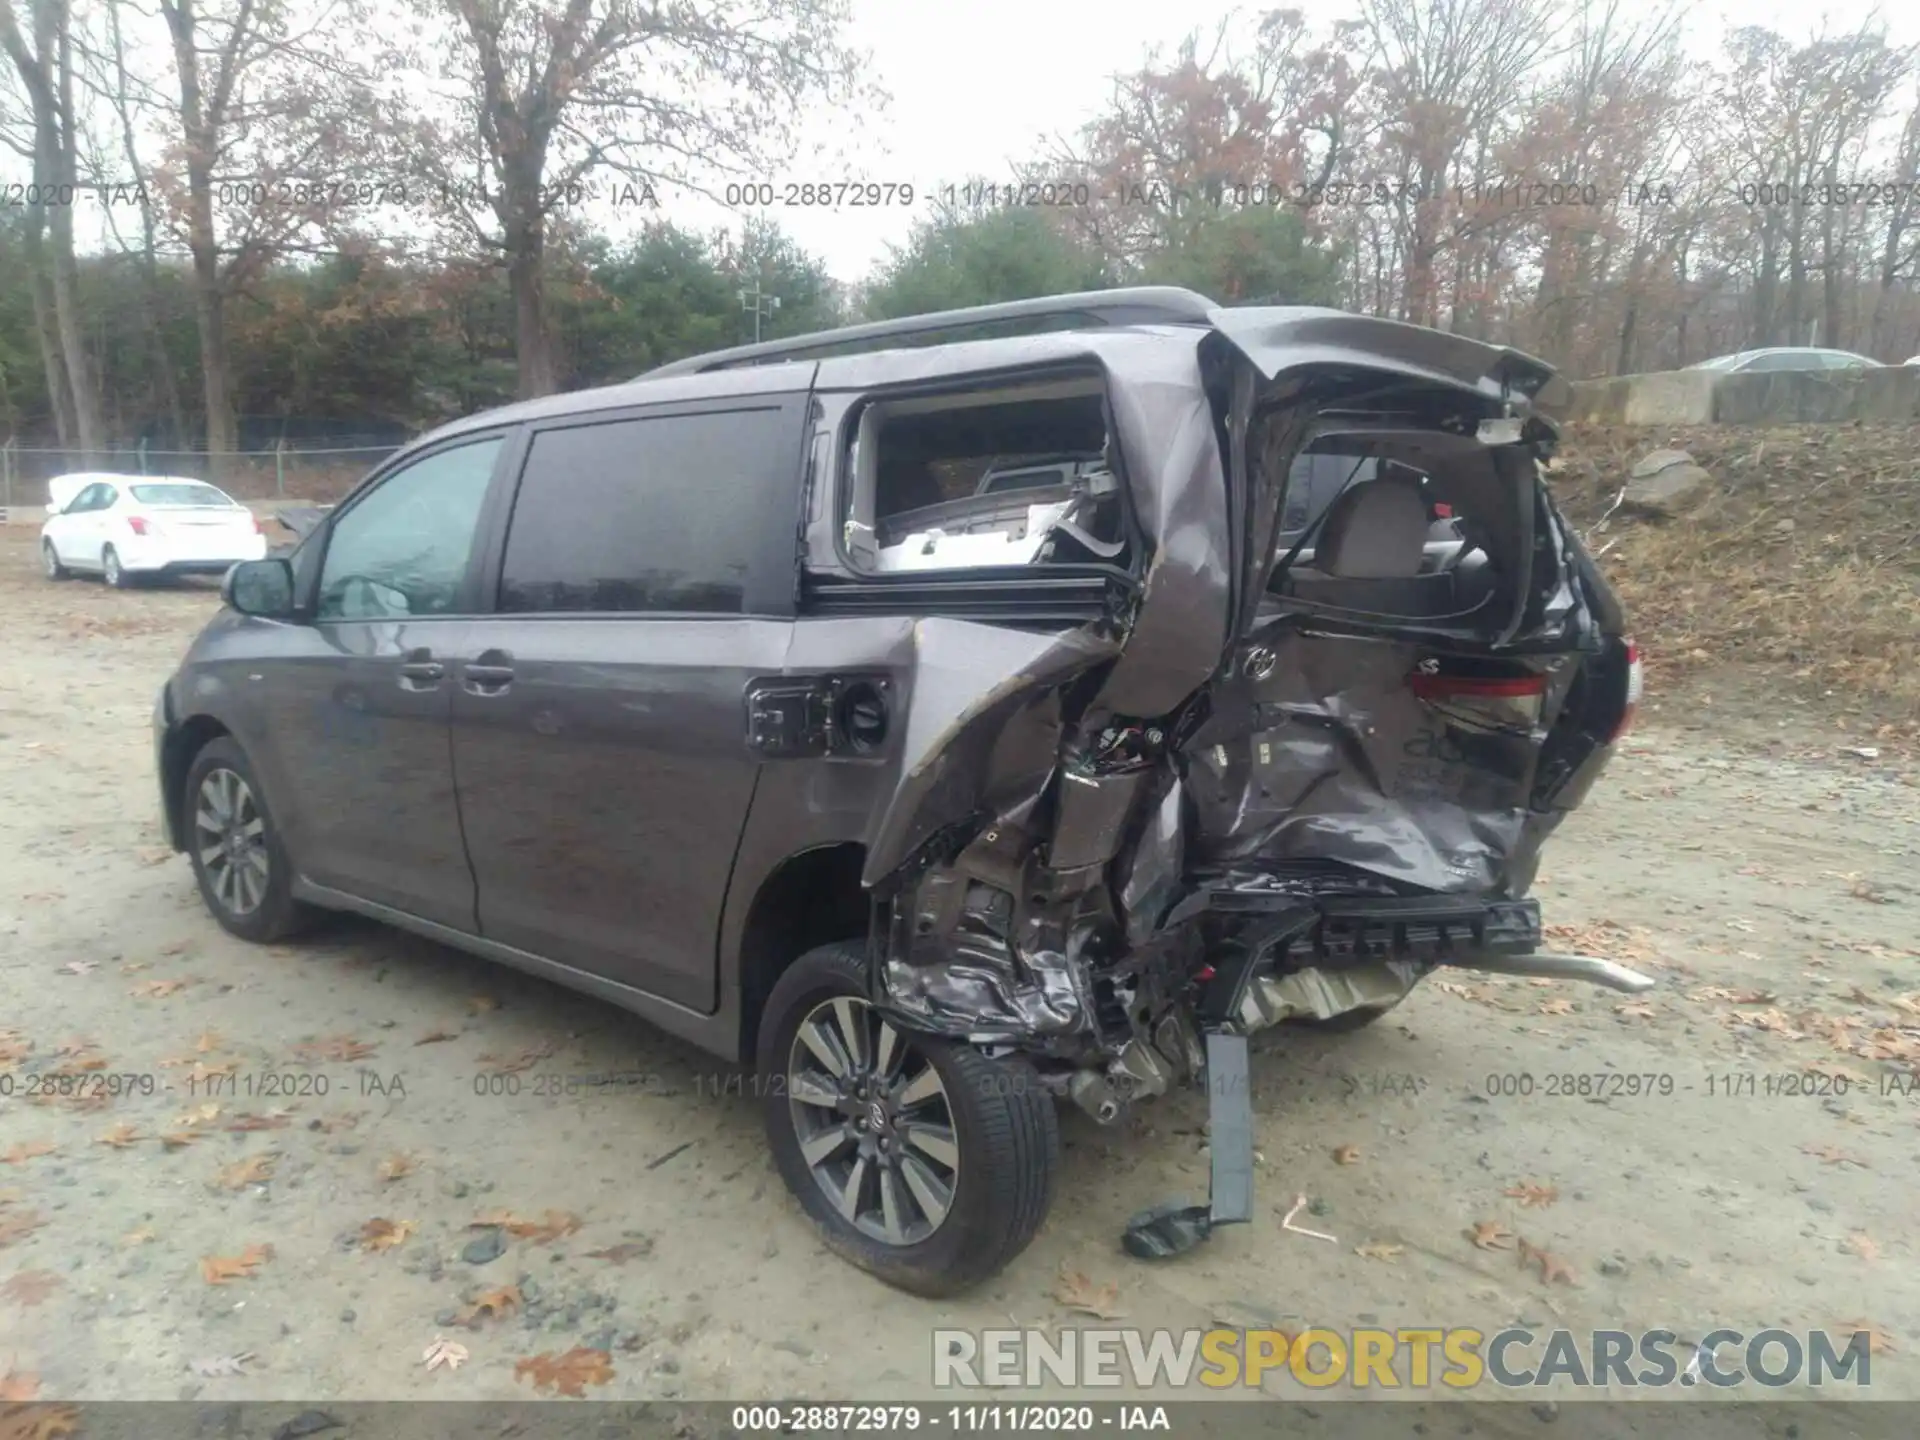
[(420, 671), (490, 673)]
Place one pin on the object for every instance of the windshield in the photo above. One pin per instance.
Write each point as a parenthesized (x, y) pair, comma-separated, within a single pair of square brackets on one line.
[(184, 493)]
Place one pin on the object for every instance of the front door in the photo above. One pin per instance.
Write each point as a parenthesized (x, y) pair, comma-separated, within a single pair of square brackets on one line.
[(599, 728), (361, 694)]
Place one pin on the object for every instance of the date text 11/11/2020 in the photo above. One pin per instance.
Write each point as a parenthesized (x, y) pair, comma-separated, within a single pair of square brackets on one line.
[(1715, 1085)]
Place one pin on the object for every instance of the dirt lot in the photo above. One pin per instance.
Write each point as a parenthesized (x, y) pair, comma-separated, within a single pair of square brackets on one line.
[(1763, 870)]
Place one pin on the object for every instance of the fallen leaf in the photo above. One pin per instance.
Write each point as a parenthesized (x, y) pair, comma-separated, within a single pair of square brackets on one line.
[(154, 855), (18, 1226), (340, 1048), (134, 967), (138, 1237), (121, 1136), (345, 1120), (208, 1042), (174, 1139), (480, 1004), (1561, 1006), (1833, 1155), (380, 1233), (1076, 1292), (215, 1366), (514, 1064), (272, 1120), (444, 1352), (80, 967), (1346, 1155), (553, 1226), (1552, 1268), (19, 1385), (1635, 1011), (434, 1037), (1862, 1244), (1377, 1250), (569, 1373), (1753, 997), (626, 1250), (219, 1269), (1491, 1235), (395, 1166), (29, 1150), (254, 1170), (158, 989), (1878, 1340), (495, 1304), (1532, 1196), (30, 1287)]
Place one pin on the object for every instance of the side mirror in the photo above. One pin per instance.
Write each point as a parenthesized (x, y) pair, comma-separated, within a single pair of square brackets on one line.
[(53, 510), (260, 587)]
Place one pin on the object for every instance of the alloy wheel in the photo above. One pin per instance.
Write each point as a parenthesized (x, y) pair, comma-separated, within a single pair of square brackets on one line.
[(51, 559), (874, 1121), (110, 567), (230, 837)]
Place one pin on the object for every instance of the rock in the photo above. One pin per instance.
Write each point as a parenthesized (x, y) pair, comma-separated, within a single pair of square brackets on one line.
[(1783, 527), (599, 1339), (1662, 482), (1613, 1267), (486, 1247), (347, 1317), (794, 1347)]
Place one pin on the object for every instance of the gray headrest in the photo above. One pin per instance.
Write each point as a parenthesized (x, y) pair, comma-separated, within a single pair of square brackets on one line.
[(1376, 530)]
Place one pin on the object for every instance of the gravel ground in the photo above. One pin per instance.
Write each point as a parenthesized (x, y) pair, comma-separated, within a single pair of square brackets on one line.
[(1761, 869)]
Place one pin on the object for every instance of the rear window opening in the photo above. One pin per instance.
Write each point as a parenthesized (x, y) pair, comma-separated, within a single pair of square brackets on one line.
[(188, 495), (1401, 528), (1015, 475)]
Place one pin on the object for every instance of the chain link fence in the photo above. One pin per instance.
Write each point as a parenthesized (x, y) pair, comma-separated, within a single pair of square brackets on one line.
[(318, 476)]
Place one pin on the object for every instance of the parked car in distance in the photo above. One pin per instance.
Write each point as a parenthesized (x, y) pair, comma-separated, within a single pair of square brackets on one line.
[(1787, 357), (126, 528), (954, 727)]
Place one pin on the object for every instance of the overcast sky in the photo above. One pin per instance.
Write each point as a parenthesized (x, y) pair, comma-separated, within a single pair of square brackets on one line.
[(975, 86)]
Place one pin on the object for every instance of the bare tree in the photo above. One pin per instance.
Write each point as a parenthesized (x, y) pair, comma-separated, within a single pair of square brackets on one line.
[(45, 67), (548, 93)]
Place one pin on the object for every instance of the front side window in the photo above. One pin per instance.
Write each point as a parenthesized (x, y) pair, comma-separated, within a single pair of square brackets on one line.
[(404, 549), (658, 514)]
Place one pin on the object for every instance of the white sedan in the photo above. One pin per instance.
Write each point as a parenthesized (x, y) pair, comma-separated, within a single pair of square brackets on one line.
[(125, 527)]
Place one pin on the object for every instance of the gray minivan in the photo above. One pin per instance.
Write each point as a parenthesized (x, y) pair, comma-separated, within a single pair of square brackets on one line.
[(951, 716)]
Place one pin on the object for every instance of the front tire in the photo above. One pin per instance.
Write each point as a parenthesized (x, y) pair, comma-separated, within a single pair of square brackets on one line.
[(919, 1160), (50, 562), (245, 878)]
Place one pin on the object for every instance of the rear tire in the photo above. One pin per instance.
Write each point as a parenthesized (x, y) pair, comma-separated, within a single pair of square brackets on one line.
[(245, 878), (981, 1142), (112, 572), (50, 561)]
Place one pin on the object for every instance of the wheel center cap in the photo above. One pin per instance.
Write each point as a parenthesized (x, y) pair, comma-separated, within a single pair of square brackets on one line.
[(877, 1115)]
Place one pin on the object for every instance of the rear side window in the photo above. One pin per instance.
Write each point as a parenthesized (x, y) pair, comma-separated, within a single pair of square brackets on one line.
[(182, 495), (655, 514)]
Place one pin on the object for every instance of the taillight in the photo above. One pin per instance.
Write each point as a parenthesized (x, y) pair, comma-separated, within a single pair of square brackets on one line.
[(137, 524), (258, 528), (1478, 696), (1453, 687), (1633, 693)]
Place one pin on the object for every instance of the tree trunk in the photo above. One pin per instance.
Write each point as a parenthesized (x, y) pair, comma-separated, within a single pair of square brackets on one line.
[(526, 278)]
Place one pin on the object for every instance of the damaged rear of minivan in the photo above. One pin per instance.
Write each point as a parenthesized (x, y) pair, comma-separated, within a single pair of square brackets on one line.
[(1234, 674)]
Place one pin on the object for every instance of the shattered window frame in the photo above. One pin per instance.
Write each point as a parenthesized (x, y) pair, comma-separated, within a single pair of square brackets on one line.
[(855, 481)]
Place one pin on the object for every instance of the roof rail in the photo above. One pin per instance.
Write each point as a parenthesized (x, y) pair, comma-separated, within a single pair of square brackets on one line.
[(1137, 305)]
